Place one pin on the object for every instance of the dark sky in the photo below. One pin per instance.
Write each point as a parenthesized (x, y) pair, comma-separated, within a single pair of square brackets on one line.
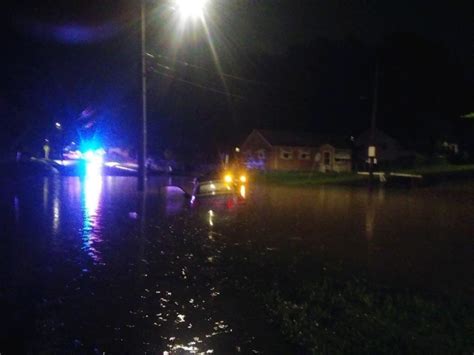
[(60, 57), (273, 25)]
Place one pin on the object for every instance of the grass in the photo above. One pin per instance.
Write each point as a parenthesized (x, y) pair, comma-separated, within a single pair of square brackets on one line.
[(296, 178), (308, 178), (321, 309), (439, 169)]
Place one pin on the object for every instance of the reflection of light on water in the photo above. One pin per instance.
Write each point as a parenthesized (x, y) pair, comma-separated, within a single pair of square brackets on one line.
[(192, 346), (192, 349), (369, 225), (91, 193), (56, 214), (56, 205), (242, 191), (16, 206), (370, 220), (211, 217), (220, 327), (174, 201), (45, 194)]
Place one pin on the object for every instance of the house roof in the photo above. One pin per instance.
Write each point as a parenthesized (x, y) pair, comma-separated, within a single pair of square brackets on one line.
[(300, 139)]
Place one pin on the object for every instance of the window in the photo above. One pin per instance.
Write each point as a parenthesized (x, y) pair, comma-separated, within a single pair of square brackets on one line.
[(261, 154), (327, 158), (342, 156), (304, 155), (286, 154)]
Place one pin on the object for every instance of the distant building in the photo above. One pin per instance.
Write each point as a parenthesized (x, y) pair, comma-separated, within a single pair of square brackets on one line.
[(295, 151), (388, 150)]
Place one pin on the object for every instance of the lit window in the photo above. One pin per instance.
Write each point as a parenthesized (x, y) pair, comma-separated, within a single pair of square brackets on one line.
[(304, 155), (286, 154), (342, 156)]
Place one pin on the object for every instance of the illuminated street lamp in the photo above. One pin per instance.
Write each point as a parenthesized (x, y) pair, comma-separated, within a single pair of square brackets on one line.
[(186, 9), (191, 8), (59, 127)]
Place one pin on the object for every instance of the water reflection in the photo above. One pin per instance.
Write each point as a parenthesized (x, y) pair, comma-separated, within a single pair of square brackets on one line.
[(174, 199), (172, 277), (243, 191), (370, 219), (16, 208), (45, 194), (375, 200), (211, 218), (91, 199), (51, 191), (56, 206)]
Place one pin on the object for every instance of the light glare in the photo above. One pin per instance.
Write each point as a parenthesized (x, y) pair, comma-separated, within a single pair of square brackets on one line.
[(94, 162), (191, 8)]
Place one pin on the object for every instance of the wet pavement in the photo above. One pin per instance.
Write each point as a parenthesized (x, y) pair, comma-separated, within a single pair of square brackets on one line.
[(89, 265)]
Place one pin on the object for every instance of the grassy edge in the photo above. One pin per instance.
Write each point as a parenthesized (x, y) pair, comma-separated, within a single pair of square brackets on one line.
[(296, 178), (320, 309)]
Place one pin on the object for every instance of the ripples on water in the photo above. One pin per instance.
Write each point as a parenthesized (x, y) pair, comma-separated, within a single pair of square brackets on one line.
[(90, 265), (116, 271)]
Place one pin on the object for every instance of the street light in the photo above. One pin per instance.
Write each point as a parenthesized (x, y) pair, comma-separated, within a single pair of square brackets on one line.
[(191, 8), (59, 127), (186, 9)]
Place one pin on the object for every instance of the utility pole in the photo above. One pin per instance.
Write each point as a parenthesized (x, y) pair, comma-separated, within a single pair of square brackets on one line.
[(143, 136), (372, 149)]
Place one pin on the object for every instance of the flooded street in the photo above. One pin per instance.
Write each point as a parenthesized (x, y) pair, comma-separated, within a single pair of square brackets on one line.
[(91, 266)]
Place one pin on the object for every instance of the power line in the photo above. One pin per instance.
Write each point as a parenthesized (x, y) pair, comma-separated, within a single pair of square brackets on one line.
[(200, 86), (194, 66)]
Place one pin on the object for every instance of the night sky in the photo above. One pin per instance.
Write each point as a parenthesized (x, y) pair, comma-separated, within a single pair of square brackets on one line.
[(309, 65)]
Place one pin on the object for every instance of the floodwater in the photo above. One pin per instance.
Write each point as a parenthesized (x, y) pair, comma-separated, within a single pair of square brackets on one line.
[(89, 265)]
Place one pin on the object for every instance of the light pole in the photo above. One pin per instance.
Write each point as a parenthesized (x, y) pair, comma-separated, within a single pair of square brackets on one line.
[(372, 147), (143, 137), (187, 9), (59, 127)]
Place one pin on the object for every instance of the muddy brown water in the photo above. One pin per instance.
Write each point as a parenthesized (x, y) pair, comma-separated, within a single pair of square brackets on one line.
[(89, 265)]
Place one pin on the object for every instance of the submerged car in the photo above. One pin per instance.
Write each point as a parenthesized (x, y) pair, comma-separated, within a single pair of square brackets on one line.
[(218, 192), (216, 188), (230, 175)]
